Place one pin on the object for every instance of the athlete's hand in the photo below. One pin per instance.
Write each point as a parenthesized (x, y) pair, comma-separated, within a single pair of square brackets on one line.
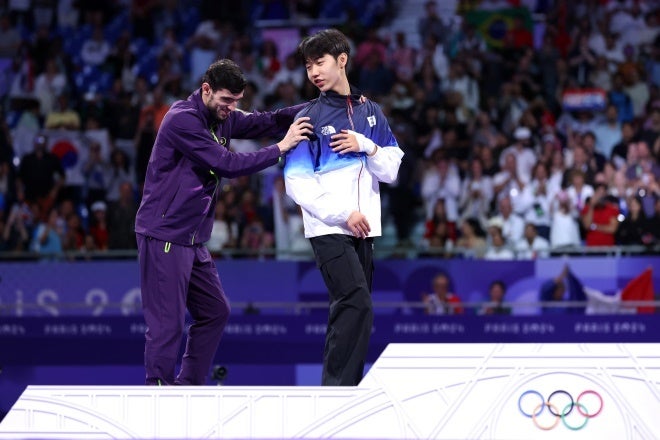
[(349, 141), (344, 142), (298, 131), (358, 224)]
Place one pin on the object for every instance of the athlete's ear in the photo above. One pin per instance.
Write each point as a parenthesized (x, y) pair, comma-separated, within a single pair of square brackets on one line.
[(206, 88), (343, 59)]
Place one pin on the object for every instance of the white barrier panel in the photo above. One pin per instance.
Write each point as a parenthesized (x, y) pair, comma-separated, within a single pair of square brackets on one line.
[(413, 391)]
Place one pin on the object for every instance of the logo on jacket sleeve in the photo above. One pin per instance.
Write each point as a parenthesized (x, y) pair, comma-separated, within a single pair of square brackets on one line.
[(328, 130), (371, 120)]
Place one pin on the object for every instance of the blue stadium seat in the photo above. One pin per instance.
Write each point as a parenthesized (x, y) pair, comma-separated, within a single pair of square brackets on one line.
[(105, 82), (147, 65), (12, 117), (142, 47), (74, 41), (92, 79), (118, 24), (333, 9)]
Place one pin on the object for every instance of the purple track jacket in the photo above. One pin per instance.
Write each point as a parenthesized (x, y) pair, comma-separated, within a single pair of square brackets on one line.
[(188, 161)]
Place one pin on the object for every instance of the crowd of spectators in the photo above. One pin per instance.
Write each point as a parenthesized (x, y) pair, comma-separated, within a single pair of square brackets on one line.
[(498, 165)]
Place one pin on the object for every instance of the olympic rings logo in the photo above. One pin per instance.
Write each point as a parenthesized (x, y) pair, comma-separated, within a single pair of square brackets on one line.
[(554, 410)]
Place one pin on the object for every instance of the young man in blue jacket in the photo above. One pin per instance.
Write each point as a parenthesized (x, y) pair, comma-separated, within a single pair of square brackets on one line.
[(190, 156), (334, 177)]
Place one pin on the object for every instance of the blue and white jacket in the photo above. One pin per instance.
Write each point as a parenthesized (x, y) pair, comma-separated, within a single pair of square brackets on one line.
[(328, 186)]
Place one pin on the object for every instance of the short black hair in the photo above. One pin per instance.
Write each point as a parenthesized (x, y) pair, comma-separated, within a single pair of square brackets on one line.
[(225, 74), (327, 41)]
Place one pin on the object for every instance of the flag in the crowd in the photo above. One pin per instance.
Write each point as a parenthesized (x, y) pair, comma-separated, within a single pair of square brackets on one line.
[(493, 26), (72, 150), (591, 99), (575, 292), (640, 288), (599, 303)]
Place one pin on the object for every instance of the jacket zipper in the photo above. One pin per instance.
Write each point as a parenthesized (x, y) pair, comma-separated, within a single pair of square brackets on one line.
[(358, 184), (215, 190), (349, 114), (208, 205), (169, 204)]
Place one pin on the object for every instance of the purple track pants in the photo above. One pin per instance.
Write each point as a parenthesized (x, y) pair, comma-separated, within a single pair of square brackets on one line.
[(174, 278)]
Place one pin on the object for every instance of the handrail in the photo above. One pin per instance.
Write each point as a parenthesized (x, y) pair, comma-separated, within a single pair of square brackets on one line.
[(381, 251), (297, 22), (256, 306)]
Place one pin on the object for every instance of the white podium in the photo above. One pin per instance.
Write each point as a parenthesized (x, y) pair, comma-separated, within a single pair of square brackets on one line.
[(413, 391)]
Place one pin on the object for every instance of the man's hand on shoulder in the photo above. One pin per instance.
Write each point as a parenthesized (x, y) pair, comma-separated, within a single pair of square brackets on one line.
[(299, 131)]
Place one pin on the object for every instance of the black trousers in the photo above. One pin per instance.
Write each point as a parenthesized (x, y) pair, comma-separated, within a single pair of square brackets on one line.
[(346, 264)]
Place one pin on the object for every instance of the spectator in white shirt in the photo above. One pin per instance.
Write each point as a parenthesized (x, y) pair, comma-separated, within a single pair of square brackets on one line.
[(497, 246), (434, 52), (578, 192), (204, 46), (597, 37), (224, 233), (564, 231), (512, 224), (613, 52), (622, 15), (48, 86), (95, 50), (608, 131), (291, 72), (507, 182), (521, 148), (536, 199), (639, 92), (556, 169), (642, 30), (532, 245), (648, 33), (441, 181), (476, 192), (290, 241)]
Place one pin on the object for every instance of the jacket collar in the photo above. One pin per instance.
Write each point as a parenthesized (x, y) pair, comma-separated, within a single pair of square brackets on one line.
[(336, 100), (196, 99)]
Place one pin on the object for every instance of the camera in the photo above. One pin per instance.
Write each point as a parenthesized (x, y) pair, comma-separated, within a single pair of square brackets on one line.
[(219, 373)]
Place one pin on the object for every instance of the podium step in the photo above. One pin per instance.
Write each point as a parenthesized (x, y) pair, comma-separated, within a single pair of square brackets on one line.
[(413, 391)]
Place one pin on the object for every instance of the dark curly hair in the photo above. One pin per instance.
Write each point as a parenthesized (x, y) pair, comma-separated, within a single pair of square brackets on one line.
[(225, 74)]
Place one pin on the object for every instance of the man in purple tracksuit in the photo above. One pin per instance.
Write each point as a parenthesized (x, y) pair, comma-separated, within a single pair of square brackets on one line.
[(175, 217)]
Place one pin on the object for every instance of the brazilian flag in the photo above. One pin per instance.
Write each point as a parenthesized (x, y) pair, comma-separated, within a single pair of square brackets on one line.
[(494, 25)]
